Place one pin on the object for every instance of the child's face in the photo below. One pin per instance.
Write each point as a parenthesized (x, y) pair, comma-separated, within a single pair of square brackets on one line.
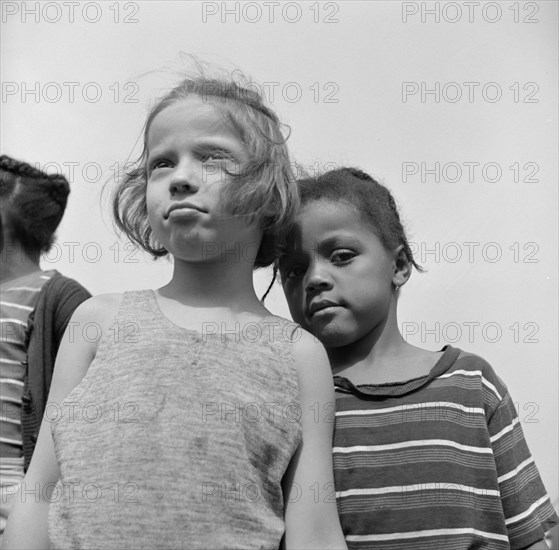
[(337, 276), (190, 149)]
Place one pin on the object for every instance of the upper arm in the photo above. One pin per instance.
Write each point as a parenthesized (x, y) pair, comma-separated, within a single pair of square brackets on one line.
[(311, 515), (27, 525), (74, 356), (523, 495)]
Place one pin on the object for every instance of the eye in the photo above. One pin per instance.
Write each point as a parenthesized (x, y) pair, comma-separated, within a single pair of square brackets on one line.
[(342, 256), (214, 155), (207, 157), (158, 163), (292, 272)]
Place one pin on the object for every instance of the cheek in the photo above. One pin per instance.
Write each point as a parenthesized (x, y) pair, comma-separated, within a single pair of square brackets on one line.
[(154, 214), (288, 293), (298, 317), (295, 300), (151, 212), (220, 198), (288, 290), (152, 199)]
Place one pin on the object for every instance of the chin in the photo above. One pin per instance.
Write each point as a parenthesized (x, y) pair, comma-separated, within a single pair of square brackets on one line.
[(331, 335), (334, 343), (189, 256)]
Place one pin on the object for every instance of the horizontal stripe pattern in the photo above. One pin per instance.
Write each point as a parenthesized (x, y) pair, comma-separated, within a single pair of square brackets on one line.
[(9, 305), (17, 289), (408, 444), (18, 299), (443, 464), (414, 488), (428, 533)]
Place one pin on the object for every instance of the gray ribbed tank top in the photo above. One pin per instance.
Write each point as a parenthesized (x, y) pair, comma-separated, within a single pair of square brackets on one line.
[(175, 438)]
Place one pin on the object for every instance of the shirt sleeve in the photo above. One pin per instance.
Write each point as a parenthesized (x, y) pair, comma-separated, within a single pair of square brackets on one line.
[(526, 506)]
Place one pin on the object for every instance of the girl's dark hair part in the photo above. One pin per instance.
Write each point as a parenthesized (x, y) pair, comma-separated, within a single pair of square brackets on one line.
[(372, 200), (33, 203)]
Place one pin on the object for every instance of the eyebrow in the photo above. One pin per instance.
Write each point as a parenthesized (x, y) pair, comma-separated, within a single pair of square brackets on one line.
[(292, 254), (339, 240), (205, 145)]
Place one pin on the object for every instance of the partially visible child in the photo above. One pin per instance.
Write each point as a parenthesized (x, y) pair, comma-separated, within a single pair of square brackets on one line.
[(190, 423), (428, 449), (35, 308)]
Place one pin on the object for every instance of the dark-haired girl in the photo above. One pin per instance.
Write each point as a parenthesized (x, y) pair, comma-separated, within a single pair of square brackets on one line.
[(428, 449), (35, 307)]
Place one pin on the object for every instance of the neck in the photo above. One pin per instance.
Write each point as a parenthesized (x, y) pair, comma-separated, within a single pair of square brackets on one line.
[(381, 343), (15, 262), (227, 285)]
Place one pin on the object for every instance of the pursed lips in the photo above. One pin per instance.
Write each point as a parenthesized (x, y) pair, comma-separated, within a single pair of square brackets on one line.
[(183, 206), (320, 305)]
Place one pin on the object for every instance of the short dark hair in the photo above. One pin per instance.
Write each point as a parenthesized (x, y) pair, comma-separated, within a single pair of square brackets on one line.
[(372, 200), (33, 203)]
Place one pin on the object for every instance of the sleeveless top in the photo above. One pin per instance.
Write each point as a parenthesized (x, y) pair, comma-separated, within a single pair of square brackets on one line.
[(177, 438)]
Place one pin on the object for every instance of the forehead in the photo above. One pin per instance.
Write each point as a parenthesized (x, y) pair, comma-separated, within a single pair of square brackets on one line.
[(326, 221), (326, 216), (191, 118)]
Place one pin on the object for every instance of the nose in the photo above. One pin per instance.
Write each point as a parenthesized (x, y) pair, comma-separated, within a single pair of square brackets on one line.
[(317, 278), (183, 180)]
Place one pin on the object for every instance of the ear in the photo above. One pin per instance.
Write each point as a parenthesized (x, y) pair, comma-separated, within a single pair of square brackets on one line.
[(402, 267)]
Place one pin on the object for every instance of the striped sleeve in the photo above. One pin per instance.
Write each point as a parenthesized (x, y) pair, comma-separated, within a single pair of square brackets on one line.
[(526, 506)]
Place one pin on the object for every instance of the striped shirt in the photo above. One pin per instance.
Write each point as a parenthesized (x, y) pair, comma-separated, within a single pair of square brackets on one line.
[(18, 298), (438, 462)]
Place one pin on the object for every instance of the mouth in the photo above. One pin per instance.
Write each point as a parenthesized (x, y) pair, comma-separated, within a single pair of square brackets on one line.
[(322, 305), (183, 208)]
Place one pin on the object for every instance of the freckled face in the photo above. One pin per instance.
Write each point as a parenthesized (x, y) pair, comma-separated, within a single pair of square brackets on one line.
[(190, 151), (337, 275)]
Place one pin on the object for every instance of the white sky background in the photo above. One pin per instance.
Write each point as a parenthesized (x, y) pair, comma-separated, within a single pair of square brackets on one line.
[(338, 84)]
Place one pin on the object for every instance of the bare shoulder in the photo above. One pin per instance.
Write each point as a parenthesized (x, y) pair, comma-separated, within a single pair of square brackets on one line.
[(313, 367), (93, 318), (306, 346), (78, 347), (100, 309)]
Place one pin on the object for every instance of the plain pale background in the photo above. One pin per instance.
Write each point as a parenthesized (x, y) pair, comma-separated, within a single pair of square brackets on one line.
[(336, 71)]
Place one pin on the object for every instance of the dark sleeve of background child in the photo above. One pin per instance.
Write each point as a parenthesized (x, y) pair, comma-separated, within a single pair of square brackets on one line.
[(47, 323)]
